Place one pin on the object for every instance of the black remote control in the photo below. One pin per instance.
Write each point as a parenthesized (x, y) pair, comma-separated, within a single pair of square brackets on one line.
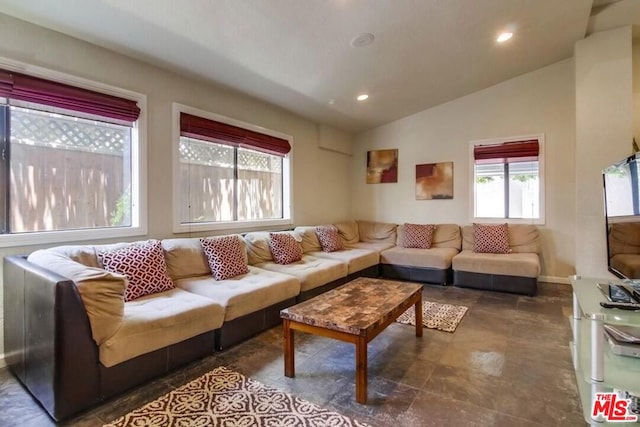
[(620, 305)]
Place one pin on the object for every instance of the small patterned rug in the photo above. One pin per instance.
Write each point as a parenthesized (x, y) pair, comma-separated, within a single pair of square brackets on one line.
[(224, 397), (444, 317)]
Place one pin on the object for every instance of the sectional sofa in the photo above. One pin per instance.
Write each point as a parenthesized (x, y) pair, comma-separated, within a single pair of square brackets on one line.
[(73, 341)]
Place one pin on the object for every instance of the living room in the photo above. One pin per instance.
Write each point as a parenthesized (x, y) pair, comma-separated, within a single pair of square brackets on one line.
[(585, 103)]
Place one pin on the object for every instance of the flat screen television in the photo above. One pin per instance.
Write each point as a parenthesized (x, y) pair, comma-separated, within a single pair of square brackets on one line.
[(622, 213)]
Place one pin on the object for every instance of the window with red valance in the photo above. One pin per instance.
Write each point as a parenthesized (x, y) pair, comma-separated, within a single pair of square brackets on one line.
[(230, 174), (508, 179), (27, 88), (507, 152), (214, 131), (70, 160)]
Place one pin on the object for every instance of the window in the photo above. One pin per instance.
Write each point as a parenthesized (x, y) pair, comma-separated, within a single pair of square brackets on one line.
[(69, 162), (508, 179), (228, 174)]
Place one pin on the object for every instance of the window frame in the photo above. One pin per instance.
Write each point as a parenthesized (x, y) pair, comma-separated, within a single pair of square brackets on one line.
[(139, 225), (540, 137), (228, 226)]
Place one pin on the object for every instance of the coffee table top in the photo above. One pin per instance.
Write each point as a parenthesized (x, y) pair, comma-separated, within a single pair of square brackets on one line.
[(357, 307)]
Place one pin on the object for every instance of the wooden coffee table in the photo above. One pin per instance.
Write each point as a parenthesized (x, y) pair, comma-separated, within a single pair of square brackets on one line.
[(355, 312)]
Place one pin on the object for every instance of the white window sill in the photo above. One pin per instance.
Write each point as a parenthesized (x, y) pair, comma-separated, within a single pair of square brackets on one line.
[(232, 226), (535, 221), (88, 234)]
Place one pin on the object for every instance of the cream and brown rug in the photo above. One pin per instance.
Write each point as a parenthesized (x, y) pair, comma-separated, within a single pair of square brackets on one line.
[(226, 398), (444, 317)]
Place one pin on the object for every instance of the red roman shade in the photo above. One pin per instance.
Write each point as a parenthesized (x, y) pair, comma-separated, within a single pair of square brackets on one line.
[(508, 152), (33, 89), (212, 131)]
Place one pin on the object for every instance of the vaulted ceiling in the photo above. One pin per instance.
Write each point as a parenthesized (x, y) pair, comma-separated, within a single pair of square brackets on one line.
[(298, 54)]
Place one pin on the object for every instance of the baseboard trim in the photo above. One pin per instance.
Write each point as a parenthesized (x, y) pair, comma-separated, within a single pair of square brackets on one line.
[(554, 279), (2, 362)]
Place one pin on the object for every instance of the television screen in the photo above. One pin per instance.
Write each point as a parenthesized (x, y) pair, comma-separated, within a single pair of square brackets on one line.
[(622, 212)]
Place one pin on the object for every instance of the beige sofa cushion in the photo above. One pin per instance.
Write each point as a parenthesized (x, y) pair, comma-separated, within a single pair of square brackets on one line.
[(348, 231), (156, 321), (523, 238), (258, 246), (102, 292), (377, 232), (513, 264), (439, 258), (185, 258), (447, 236), (355, 258), (624, 238), (444, 236), (373, 247), (246, 293), (85, 255), (310, 271), (310, 242)]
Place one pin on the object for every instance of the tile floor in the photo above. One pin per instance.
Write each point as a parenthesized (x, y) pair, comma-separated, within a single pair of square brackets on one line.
[(507, 364)]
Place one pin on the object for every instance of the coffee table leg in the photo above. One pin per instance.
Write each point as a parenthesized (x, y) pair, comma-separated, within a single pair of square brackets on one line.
[(361, 370), (289, 354), (419, 326)]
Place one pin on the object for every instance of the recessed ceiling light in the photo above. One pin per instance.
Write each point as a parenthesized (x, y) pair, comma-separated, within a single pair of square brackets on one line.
[(362, 97), (503, 37), (362, 40)]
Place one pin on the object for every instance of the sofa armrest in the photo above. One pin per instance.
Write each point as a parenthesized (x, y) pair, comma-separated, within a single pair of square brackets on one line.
[(48, 340)]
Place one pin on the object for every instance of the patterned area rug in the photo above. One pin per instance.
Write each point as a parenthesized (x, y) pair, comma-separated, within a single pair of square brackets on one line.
[(444, 317), (224, 397)]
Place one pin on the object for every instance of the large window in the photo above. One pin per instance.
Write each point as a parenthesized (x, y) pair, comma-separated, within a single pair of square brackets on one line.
[(508, 179), (69, 162), (229, 174)]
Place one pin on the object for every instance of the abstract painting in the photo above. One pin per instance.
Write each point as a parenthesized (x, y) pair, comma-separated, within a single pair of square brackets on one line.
[(382, 166), (434, 181)]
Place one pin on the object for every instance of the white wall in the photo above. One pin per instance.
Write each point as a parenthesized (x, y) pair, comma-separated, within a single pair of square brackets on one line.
[(604, 132), (537, 102), (320, 194)]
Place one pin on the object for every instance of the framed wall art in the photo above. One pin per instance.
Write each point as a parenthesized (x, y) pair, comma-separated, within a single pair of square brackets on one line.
[(382, 166), (434, 181)]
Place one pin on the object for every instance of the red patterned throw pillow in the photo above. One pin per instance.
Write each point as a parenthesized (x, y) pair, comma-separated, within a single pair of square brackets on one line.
[(225, 255), (143, 264), (418, 235), (329, 238), (491, 239), (285, 249)]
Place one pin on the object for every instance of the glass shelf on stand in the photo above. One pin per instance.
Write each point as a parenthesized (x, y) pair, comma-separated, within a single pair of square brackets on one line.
[(597, 368)]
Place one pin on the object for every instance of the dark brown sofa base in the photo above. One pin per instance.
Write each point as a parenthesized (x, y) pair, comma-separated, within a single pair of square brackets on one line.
[(416, 274), (145, 367), (372, 271), (496, 282), (306, 295), (241, 328)]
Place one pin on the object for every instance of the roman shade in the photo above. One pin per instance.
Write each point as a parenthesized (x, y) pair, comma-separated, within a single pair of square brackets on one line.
[(41, 91), (222, 133), (508, 152)]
